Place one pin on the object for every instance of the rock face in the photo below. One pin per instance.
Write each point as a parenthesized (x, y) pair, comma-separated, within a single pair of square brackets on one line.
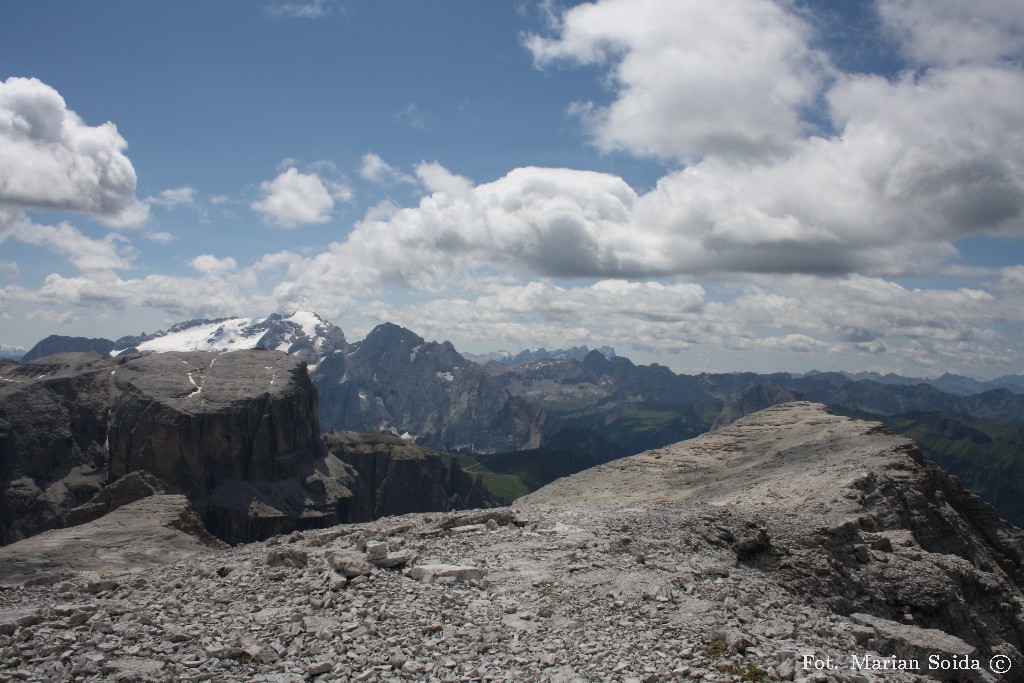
[(838, 509), (156, 530), (396, 381), (55, 344), (53, 424), (128, 489), (236, 433), (392, 380), (395, 477), (756, 397), (793, 545)]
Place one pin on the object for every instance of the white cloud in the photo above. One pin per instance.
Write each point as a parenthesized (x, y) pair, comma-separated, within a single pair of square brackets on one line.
[(59, 317), (951, 32), (374, 169), (174, 197), (795, 237), (312, 9), (411, 115), (85, 253), (160, 237), (10, 218), (690, 78), (9, 270), (211, 265), (50, 159), (293, 198)]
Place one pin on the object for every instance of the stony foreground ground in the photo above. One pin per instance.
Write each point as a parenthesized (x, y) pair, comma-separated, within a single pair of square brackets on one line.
[(574, 594), (639, 594), (780, 548)]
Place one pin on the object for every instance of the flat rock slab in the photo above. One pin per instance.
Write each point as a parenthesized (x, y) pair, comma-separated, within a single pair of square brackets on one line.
[(150, 532), (428, 573), (788, 456)]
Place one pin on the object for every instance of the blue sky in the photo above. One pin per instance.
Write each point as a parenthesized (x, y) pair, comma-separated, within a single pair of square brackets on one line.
[(745, 184)]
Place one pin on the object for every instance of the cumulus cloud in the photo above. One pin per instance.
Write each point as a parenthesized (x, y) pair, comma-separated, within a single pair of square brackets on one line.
[(211, 265), (374, 169), (769, 235), (50, 159), (915, 163), (690, 78), (951, 32), (293, 199), (85, 253)]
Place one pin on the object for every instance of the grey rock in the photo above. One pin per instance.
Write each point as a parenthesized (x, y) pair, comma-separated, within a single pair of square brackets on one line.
[(429, 573), (350, 564), (396, 476), (287, 557), (236, 433), (554, 594), (157, 530)]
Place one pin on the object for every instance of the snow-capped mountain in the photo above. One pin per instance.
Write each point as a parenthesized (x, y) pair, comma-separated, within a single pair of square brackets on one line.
[(393, 380), (303, 334)]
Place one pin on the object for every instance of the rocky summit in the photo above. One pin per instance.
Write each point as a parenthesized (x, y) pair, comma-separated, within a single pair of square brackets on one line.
[(791, 545), (236, 433)]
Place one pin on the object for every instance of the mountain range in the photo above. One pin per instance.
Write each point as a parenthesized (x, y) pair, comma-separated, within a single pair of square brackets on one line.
[(527, 355), (522, 425)]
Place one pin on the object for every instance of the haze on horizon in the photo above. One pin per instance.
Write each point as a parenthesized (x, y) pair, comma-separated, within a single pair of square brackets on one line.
[(742, 185)]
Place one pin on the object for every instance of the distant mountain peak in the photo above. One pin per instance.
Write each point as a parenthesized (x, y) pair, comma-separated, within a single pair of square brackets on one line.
[(303, 333), (528, 355)]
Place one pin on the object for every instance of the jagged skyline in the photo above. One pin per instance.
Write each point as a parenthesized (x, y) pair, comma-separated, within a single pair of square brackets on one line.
[(751, 185)]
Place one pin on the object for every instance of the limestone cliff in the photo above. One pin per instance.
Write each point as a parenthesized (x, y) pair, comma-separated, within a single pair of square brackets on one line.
[(236, 433), (396, 477), (53, 424)]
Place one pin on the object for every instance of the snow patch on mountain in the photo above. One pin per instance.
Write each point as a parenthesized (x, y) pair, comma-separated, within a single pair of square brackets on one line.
[(304, 334)]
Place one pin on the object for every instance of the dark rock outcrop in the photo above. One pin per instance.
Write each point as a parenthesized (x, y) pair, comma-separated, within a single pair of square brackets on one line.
[(53, 424), (396, 476), (55, 344), (128, 489), (396, 381), (237, 433)]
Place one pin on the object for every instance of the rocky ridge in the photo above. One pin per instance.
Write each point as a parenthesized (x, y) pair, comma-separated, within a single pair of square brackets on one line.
[(773, 549), (237, 434), (396, 476), (393, 380)]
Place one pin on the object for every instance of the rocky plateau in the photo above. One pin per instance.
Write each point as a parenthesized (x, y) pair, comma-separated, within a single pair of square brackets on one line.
[(793, 544), (235, 433)]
